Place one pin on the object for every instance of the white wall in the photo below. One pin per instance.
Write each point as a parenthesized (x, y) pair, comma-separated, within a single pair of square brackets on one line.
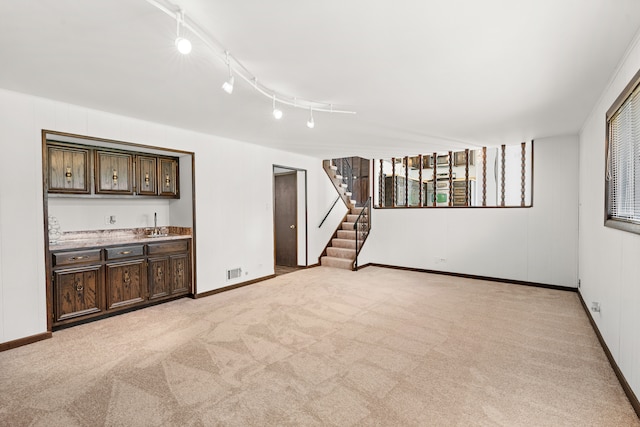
[(76, 214), (609, 259), (537, 244), (234, 211)]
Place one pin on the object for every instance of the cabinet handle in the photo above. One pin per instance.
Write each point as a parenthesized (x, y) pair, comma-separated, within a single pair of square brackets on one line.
[(126, 277), (79, 287), (115, 177), (146, 179), (125, 252), (159, 271), (167, 180), (68, 174), (76, 258)]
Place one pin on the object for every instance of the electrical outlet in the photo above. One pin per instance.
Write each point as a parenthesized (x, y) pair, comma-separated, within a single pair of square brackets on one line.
[(107, 220)]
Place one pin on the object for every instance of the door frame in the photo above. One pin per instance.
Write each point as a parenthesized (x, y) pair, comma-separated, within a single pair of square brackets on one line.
[(302, 195)]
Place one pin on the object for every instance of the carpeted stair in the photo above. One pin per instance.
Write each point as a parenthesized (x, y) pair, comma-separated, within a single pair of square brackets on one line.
[(341, 253)]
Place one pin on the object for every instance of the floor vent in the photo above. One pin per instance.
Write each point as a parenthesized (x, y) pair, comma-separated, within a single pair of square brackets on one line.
[(234, 273)]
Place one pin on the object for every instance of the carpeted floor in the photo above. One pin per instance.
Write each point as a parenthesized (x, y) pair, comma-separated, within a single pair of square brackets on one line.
[(283, 269), (326, 346)]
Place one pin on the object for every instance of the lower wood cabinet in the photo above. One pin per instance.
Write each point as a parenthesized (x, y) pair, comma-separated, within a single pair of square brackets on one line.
[(159, 277), (94, 282), (77, 292), (180, 273), (125, 283), (169, 272)]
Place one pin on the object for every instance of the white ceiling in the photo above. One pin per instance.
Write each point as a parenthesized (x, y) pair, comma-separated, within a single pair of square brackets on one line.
[(423, 75)]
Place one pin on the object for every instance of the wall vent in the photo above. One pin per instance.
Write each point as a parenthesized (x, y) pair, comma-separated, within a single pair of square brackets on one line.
[(234, 273)]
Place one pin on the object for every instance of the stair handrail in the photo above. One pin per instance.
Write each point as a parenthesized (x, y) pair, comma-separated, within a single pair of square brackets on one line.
[(362, 226), (329, 211), (345, 169)]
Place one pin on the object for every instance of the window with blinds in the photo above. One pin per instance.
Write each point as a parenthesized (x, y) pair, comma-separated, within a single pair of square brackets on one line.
[(623, 160)]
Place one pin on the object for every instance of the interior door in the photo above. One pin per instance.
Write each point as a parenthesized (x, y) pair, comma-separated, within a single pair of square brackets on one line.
[(286, 226)]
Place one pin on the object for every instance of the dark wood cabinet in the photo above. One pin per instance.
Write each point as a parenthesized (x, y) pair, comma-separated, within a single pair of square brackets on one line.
[(114, 173), (71, 168), (125, 283), (77, 292), (180, 273), (92, 282), (168, 177), (147, 175), (169, 272), (159, 284), (68, 169)]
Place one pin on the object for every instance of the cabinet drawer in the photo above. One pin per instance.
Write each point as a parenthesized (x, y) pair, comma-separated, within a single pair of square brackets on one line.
[(167, 247), (76, 257), (125, 252)]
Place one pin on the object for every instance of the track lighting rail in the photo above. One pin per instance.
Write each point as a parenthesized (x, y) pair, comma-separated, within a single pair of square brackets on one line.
[(236, 68)]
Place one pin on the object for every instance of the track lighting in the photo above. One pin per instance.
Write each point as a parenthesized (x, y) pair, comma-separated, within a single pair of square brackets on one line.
[(234, 66), (183, 44), (277, 113), (228, 85), (310, 123)]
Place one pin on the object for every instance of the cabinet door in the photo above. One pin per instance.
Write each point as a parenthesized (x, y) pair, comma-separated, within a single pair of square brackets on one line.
[(159, 281), (168, 177), (125, 283), (68, 170), (114, 173), (77, 292), (180, 274), (147, 172)]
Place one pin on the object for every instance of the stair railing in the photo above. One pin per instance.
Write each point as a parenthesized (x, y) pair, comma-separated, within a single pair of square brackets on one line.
[(345, 169), (329, 211), (362, 227)]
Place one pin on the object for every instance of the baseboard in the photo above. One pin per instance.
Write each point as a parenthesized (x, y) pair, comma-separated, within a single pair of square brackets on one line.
[(473, 276), (24, 341), (633, 399), (234, 286), (312, 265)]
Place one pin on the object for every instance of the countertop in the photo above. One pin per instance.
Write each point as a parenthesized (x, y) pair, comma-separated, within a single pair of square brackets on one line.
[(103, 238)]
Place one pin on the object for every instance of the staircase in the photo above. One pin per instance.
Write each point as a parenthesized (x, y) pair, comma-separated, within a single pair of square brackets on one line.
[(339, 183), (341, 252)]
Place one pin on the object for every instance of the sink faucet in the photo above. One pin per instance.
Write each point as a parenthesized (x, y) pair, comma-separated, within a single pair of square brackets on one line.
[(155, 224)]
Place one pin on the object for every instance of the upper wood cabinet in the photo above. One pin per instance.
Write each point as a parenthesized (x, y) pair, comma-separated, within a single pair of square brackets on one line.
[(68, 169), (147, 175), (168, 177), (114, 173), (71, 167)]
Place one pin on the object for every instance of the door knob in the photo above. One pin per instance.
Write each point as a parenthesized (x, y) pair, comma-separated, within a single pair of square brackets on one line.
[(292, 226)]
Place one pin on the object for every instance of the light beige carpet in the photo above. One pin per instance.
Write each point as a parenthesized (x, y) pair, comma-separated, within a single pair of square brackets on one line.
[(326, 347)]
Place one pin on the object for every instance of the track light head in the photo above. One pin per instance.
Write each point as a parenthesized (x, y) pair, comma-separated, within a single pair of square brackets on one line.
[(310, 123), (183, 45), (228, 85), (277, 113)]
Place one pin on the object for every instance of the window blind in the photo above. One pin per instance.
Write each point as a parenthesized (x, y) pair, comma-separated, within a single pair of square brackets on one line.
[(623, 164)]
